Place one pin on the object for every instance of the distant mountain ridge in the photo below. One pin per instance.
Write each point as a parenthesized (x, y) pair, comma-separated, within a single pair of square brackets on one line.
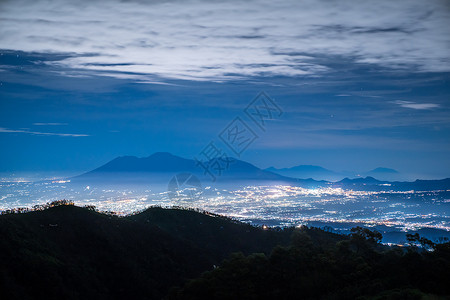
[(160, 167), (372, 184), (321, 173)]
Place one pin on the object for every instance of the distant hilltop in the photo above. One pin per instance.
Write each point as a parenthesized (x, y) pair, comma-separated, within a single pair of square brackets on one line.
[(383, 170), (320, 173)]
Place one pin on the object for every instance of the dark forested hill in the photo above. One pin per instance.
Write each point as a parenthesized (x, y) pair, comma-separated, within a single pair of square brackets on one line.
[(68, 252), (357, 268)]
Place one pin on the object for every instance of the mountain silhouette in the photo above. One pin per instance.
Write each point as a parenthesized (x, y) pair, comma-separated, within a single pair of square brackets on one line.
[(161, 166), (382, 173), (157, 162), (371, 184), (383, 170), (320, 173)]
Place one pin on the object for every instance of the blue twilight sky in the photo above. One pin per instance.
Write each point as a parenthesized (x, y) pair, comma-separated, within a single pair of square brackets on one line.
[(362, 84)]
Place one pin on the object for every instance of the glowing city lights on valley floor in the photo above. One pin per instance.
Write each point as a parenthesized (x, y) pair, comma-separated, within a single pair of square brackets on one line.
[(280, 205)]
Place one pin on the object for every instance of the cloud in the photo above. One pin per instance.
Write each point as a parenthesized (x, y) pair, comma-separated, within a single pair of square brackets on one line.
[(40, 133), (413, 105), (49, 124), (218, 41)]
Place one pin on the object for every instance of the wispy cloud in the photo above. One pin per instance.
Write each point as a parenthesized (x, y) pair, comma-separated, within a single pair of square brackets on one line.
[(217, 41), (7, 130), (49, 124), (414, 105)]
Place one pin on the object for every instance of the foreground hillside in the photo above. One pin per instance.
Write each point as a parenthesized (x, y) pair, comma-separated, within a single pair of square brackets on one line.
[(357, 268), (68, 252)]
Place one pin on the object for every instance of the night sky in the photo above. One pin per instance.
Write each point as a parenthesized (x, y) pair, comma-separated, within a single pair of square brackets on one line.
[(361, 84)]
